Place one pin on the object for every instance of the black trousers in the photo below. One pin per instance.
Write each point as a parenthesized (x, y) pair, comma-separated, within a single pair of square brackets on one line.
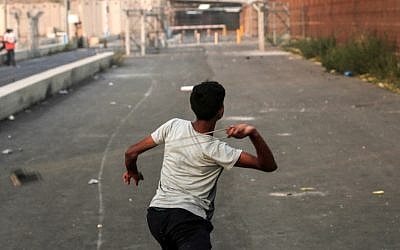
[(10, 57), (179, 229)]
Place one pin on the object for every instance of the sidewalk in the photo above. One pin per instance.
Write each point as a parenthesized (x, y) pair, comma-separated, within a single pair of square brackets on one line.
[(37, 65)]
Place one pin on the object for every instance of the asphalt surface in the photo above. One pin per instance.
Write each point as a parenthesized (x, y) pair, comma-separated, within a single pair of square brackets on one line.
[(34, 66), (335, 140)]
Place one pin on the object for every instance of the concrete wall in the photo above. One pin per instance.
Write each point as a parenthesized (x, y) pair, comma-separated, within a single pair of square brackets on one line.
[(26, 92)]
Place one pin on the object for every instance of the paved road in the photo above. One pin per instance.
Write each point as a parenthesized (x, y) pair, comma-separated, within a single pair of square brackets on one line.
[(336, 136), (40, 64)]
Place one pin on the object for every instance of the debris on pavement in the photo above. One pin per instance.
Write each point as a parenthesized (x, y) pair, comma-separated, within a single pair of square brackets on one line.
[(7, 151), (348, 73), (9, 137), (297, 194), (63, 92), (110, 84), (99, 225), (19, 177), (113, 103), (93, 181), (130, 199)]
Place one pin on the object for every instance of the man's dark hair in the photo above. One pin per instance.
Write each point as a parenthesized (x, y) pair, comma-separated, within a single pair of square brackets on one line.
[(206, 99)]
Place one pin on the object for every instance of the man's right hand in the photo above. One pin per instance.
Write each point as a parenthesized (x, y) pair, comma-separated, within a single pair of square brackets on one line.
[(136, 176), (240, 131)]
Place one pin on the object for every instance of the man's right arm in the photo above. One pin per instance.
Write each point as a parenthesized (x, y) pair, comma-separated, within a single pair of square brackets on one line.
[(264, 160), (131, 156)]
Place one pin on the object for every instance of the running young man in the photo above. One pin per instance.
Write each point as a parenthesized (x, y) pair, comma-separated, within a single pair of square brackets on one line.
[(180, 212)]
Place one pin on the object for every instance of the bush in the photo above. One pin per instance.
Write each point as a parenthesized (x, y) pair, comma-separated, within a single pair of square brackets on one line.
[(365, 55), (314, 48)]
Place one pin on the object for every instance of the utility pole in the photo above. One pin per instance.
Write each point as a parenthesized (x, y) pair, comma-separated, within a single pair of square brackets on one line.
[(5, 15), (260, 7), (142, 33), (66, 4), (127, 35)]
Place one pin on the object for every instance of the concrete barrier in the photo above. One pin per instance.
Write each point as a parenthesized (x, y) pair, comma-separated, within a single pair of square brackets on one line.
[(21, 94)]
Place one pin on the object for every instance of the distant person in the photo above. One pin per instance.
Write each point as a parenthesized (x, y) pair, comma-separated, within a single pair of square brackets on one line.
[(9, 40), (179, 216)]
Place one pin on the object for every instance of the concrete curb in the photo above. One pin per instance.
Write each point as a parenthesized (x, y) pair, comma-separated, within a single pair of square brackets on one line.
[(21, 94)]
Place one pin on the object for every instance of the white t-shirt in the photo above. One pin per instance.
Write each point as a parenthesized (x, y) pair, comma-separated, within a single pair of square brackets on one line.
[(191, 167)]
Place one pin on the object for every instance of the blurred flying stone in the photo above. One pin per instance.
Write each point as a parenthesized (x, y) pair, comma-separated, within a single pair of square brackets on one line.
[(95, 77), (110, 84), (7, 151), (113, 103), (11, 118), (9, 137), (378, 192), (99, 226), (93, 181), (63, 92)]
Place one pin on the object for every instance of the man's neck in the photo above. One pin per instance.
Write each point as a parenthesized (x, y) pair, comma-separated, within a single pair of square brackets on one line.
[(203, 126)]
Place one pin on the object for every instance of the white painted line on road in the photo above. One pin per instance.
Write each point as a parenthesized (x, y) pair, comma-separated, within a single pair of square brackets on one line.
[(256, 53), (125, 76), (284, 134), (187, 88), (239, 118), (103, 161), (392, 112)]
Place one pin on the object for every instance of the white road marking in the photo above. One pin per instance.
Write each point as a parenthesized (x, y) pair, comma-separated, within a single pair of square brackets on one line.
[(187, 88), (284, 134), (124, 76), (239, 118), (103, 161)]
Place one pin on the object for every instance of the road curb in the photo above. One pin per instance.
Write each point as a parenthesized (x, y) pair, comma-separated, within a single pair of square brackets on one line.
[(21, 94)]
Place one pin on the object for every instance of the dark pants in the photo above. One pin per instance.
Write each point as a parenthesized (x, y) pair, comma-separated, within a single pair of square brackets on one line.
[(176, 228), (10, 57)]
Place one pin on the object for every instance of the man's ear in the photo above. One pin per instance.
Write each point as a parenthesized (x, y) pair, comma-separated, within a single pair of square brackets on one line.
[(221, 112)]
